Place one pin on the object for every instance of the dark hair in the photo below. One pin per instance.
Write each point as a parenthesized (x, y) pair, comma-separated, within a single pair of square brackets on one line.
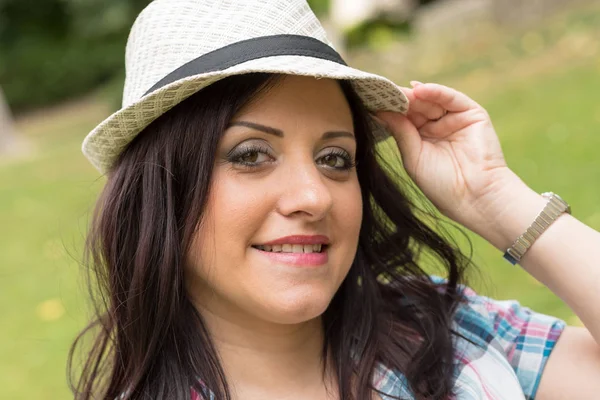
[(150, 341)]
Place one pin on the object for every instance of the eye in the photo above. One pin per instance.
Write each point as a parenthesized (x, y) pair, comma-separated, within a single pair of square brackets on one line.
[(337, 159), (250, 155), (333, 161)]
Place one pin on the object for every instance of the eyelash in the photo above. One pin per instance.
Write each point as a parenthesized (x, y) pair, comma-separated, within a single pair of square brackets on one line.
[(237, 154)]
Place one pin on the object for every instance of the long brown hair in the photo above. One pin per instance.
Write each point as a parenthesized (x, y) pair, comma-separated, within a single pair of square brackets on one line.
[(150, 341)]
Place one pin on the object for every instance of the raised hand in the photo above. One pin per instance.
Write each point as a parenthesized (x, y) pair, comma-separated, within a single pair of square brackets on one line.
[(449, 148)]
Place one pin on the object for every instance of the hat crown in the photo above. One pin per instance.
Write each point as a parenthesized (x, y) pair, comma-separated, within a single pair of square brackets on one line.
[(169, 33)]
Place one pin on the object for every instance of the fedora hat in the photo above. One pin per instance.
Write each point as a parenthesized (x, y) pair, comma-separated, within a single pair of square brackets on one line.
[(177, 47)]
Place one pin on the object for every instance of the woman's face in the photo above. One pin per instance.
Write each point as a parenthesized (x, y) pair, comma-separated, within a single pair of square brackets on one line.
[(284, 168)]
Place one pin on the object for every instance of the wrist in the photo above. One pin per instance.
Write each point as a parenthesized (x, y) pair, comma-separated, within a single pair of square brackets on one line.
[(506, 211)]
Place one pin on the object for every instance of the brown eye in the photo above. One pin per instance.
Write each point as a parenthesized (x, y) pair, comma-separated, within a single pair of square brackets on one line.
[(333, 161), (249, 157), (337, 159)]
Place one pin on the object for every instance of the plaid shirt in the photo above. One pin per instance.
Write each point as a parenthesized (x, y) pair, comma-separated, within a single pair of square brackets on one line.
[(511, 345)]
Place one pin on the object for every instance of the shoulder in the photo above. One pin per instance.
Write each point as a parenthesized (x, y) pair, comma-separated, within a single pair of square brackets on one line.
[(507, 334), (505, 322), (482, 315)]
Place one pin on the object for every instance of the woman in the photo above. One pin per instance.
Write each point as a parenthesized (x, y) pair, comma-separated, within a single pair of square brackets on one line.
[(250, 242)]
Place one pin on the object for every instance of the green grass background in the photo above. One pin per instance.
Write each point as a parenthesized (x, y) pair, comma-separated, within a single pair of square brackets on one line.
[(545, 106)]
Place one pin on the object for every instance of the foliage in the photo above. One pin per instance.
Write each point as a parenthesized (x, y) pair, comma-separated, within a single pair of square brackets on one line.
[(56, 49)]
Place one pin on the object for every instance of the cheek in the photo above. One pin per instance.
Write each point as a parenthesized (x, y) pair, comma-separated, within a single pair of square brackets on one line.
[(233, 214), (237, 212)]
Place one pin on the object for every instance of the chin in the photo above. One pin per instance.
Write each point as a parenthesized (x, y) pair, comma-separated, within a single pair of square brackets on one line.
[(297, 308)]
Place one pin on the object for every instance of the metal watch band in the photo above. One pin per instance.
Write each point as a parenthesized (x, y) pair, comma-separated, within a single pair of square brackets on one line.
[(551, 211)]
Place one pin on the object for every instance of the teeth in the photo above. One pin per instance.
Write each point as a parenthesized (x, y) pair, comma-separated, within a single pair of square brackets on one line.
[(291, 248)]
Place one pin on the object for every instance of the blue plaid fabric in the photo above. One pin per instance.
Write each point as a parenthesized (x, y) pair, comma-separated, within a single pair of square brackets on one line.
[(503, 359)]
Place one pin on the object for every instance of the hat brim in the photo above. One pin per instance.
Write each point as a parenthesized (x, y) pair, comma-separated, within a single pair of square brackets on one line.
[(103, 145)]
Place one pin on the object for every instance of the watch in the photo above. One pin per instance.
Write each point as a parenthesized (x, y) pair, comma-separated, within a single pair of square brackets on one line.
[(555, 207)]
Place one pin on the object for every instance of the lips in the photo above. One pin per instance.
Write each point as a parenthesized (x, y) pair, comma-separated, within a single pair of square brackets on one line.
[(298, 239), (296, 259)]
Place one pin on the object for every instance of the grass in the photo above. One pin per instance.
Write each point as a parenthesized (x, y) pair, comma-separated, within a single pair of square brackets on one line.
[(548, 123), (44, 203)]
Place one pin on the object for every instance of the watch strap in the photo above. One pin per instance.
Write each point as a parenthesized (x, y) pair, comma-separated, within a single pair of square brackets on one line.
[(551, 211)]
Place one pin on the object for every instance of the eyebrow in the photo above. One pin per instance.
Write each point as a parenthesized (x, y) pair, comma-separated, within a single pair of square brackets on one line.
[(279, 133)]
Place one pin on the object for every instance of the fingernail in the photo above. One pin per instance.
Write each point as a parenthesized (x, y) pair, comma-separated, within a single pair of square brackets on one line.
[(416, 83)]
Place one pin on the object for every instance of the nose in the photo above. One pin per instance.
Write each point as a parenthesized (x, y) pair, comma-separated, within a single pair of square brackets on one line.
[(304, 192)]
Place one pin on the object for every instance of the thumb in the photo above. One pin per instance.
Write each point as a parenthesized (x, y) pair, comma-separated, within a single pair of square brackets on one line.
[(406, 135)]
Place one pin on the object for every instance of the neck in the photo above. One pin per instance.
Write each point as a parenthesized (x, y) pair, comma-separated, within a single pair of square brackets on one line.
[(268, 359)]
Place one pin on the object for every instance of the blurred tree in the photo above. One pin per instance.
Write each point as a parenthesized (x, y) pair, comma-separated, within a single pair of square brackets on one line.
[(54, 49), (23, 18)]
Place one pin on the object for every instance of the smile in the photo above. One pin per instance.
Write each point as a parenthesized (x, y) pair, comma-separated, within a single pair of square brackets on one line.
[(292, 248)]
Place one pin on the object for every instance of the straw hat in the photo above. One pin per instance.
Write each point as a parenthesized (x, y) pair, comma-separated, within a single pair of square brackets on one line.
[(178, 47)]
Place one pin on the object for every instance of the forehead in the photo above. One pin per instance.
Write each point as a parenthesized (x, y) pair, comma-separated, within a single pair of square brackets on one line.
[(299, 97)]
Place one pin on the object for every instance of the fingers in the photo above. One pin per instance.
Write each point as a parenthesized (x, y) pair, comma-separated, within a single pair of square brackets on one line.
[(435, 113), (452, 123), (406, 135), (443, 96), (417, 119), (421, 111)]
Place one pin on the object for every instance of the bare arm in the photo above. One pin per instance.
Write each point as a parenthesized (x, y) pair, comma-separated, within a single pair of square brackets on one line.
[(565, 258)]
